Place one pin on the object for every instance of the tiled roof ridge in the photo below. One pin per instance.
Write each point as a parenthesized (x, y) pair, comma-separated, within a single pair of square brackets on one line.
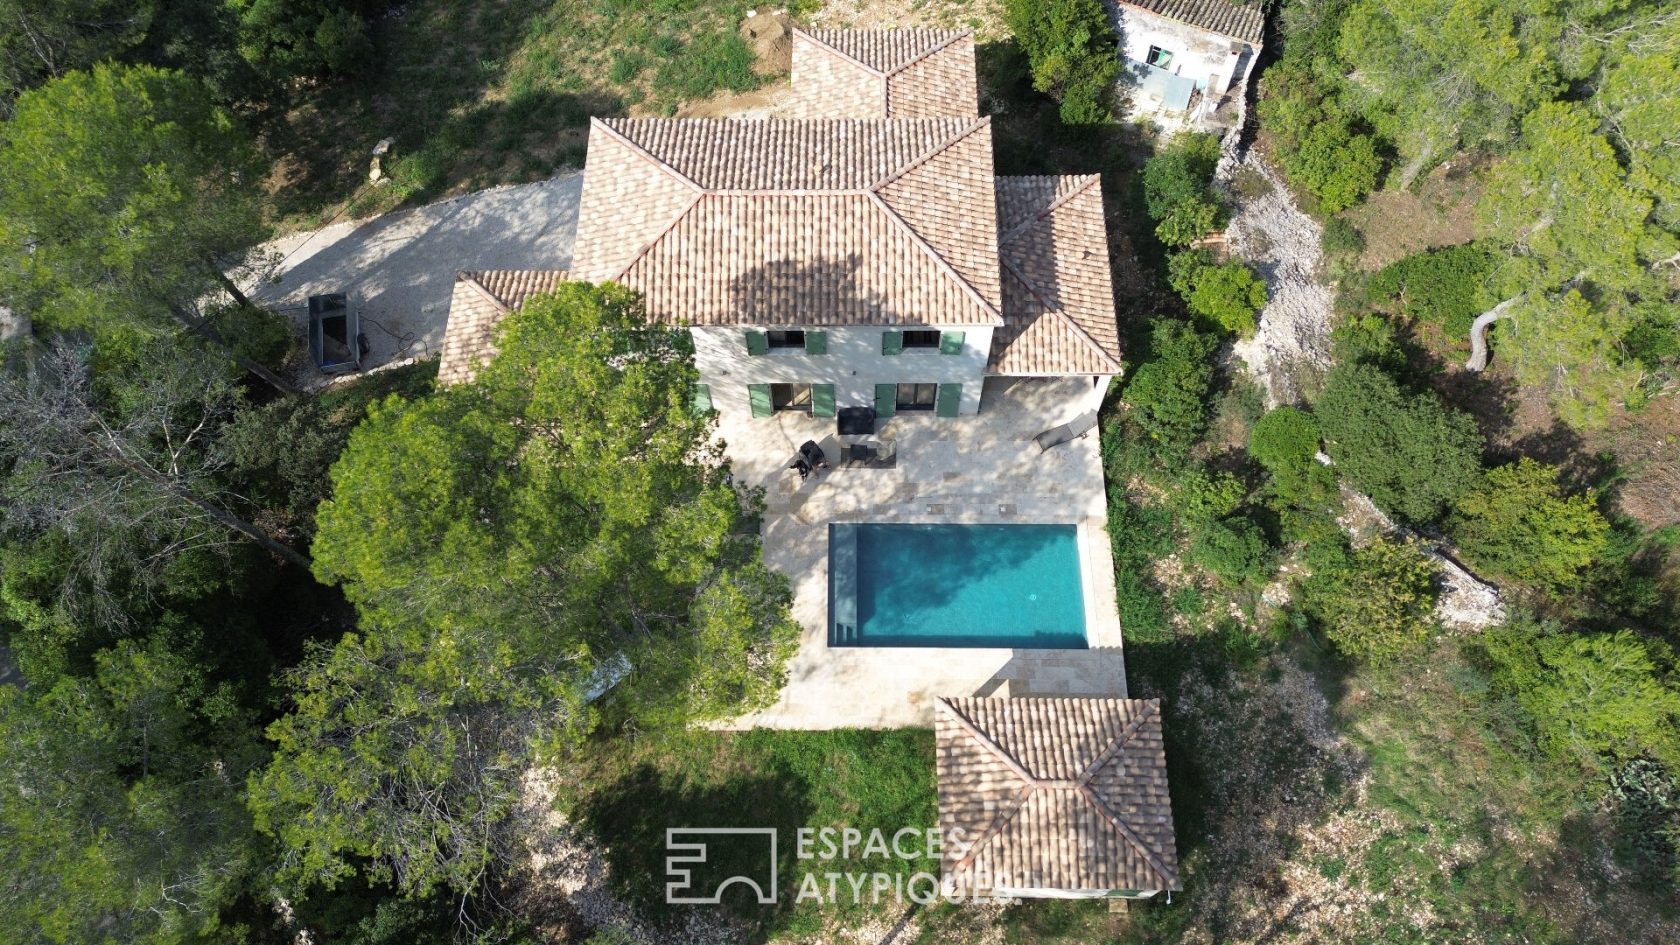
[(1125, 830), (699, 195), (938, 258), (983, 121), (950, 40), (646, 155), (471, 278), (1081, 786), (1031, 784), (1086, 180), (1056, 312)]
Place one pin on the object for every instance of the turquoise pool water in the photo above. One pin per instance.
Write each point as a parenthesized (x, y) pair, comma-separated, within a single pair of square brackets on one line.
[(1015, 586)]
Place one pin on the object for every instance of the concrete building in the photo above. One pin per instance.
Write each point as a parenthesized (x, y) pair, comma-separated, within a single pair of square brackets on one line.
[(865, 255), (1186, 56)]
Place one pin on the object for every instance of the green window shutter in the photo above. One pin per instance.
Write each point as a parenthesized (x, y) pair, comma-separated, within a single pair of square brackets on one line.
[(892, 342), (822, 400), (758, 342), (759, 396), (950, 342), (886, 400), (816, 342), (702, 402), (950, 397)]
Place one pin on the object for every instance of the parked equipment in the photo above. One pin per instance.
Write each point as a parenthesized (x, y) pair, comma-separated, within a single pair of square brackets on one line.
[(336, 341)]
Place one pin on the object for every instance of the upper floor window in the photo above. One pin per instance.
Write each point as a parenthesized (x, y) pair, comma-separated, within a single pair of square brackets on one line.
[(921, 339), (1159, 58), (786, 339)]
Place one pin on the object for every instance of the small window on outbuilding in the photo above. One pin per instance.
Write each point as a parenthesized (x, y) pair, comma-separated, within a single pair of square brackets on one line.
[(787, 339), (1159, 58)]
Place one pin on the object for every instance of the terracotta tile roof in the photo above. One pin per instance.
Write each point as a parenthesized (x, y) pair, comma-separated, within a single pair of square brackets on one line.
[(1058, 297), (1236, 20), (1054, 794), (912, 73), (479, 302), (816, 222)]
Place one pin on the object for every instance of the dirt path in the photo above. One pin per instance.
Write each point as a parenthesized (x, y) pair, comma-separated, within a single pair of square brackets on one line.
[(401, 267), (1270, 233)]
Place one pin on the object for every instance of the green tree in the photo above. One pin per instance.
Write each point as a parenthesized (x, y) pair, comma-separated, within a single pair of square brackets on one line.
[(1409, 453), (1228, 295), (1378, 603), (1072, 52), (1168, 393), (1518, 524), (405, 754), (1446, 287), (503, 503), (1336, 164), (288, 38), (128, 194), (1590, 696), (120, 803), (44, 39), (1233, 548), (1177, 189)]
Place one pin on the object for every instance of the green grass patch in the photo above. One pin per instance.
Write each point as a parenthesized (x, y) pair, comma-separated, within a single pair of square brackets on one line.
[(477, 95), (632, 791)]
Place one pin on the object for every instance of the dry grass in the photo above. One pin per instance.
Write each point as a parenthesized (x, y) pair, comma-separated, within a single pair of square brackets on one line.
[(1438, 211)]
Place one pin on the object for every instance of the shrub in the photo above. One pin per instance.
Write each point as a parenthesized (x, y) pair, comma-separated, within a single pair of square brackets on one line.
[(1378, 604), (1341, 238), (1518, 524), (1590, 697), (1440, 286), (1202, 496), (1178, 192), (1284, 439), (1234, 549), (1646, 804), (1654, 338), (1408, 452), (1337, 165), (1072, 52), (1226, 294), (1168, 393), (1367, 339)]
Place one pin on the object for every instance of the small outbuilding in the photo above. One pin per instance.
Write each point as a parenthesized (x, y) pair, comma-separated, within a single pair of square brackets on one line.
[(1054, 798), (1187, 56)]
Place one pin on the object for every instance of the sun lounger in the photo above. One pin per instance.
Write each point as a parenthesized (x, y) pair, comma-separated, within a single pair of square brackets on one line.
[(1068, 432)]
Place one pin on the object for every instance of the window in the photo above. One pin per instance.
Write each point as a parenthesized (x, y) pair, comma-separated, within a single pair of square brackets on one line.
[(1159, 58), (790, 397), (921, 339), (917, 396), (786, 339)]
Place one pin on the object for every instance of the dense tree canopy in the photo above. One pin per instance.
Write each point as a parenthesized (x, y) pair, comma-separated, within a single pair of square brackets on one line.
[(504, 558), (1406, 451), (127, 188), (1072, 52), (1376, 604), (1518, 524), (1168, 392)]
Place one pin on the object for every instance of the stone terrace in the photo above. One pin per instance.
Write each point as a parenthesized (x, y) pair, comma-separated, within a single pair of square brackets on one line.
[(980, 469)]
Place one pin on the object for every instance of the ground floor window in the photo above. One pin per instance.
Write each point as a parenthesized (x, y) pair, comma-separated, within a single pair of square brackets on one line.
[(1159, 58), (917, 396), (790, 397)]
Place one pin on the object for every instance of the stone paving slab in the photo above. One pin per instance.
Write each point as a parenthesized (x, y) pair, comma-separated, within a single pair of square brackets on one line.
[(952, 470)]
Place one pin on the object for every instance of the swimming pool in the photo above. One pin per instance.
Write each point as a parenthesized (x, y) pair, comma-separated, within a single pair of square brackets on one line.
[(1015, 586)]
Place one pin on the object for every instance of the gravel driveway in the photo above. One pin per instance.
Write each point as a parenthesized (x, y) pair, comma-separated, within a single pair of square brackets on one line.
[(401, 267)]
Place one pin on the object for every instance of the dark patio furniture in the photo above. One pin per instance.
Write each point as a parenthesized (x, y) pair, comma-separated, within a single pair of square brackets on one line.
[(856, 421), (1067, 432), (880, 454)]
